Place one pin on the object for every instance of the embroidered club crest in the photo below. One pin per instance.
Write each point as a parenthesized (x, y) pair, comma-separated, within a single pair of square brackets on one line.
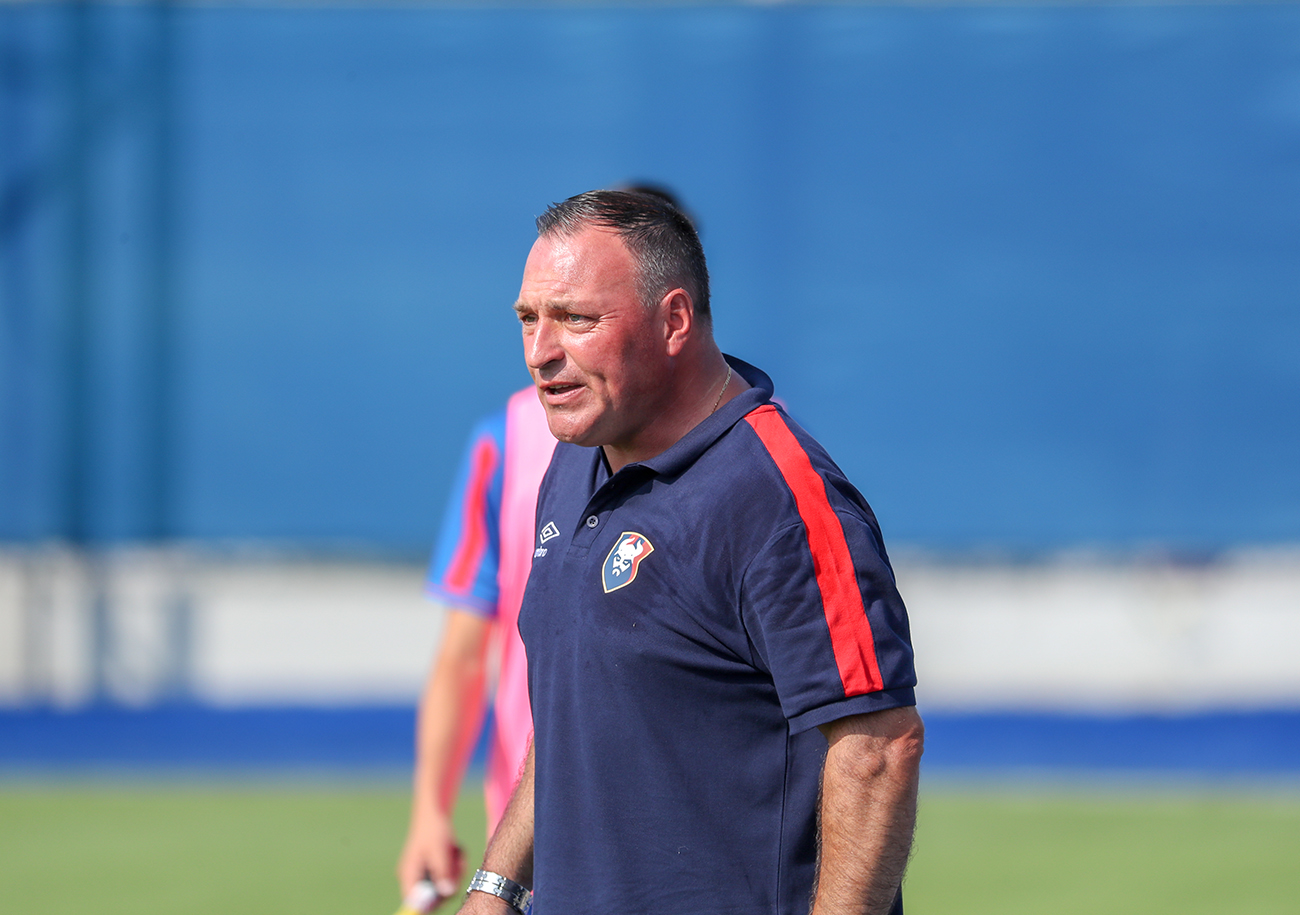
[(624, 559)]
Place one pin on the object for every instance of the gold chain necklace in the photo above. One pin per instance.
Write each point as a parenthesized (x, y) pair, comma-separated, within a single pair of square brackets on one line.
[(725, 382)]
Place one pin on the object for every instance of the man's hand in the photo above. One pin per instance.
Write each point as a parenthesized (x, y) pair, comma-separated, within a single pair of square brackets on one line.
[(485, 904), (510, 850), (868, 810)]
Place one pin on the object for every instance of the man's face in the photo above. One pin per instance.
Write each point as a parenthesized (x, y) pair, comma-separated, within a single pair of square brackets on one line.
[(594, 350)]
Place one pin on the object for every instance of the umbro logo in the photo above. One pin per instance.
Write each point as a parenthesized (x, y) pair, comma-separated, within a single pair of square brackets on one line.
[(550, 532)]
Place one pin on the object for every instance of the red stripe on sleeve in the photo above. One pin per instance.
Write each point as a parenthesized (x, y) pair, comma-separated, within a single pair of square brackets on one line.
[(846, 616), (466, 560)]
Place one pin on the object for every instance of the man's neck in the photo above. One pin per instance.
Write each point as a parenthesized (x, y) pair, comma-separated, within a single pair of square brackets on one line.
[(702, 392)]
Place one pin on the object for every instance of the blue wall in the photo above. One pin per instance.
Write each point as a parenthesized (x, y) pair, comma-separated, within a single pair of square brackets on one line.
[(1033, 274)]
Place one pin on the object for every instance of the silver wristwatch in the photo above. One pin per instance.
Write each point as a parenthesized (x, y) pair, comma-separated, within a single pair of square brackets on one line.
[(516, 896)]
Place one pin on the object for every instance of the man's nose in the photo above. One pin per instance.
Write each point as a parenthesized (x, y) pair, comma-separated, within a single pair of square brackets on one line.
[(541, 345)]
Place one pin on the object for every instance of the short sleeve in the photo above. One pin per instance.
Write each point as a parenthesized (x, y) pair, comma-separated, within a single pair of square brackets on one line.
[(463, 570), (828, 622)]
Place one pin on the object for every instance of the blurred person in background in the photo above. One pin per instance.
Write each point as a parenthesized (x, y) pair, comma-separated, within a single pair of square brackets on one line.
[(478, 572), (708, 593)]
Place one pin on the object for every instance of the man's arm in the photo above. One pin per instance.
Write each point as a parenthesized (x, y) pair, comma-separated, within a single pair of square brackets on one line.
[(868, 810), (510, 850), (450, 718)]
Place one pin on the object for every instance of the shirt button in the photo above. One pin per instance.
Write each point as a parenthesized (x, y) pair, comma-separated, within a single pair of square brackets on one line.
[(592, 521)]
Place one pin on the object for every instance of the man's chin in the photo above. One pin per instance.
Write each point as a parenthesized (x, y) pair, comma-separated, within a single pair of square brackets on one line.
[(567, 431)]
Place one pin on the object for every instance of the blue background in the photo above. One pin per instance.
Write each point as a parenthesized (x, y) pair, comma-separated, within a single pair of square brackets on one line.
[(1251, 745), (1032, 274)]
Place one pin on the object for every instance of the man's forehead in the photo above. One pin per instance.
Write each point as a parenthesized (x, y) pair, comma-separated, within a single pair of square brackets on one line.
[(591, 247), (562, 268), (551, 286)]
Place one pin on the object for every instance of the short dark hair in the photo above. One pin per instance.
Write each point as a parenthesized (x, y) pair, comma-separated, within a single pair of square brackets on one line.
[(661, 238)]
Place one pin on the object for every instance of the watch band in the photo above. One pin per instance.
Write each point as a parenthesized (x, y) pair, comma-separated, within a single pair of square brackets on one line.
[(516, 896)]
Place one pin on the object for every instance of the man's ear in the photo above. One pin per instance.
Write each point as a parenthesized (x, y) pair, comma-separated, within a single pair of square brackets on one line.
[(679, 320)]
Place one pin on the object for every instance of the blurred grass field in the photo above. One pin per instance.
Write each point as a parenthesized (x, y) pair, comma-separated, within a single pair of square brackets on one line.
[(329, 849)]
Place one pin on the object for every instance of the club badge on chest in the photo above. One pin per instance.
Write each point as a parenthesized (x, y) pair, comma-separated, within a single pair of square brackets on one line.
[(624, 560)]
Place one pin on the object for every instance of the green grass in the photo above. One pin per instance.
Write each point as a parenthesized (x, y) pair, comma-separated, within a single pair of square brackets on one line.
[(992, 852), (325, 849), (198, 849)]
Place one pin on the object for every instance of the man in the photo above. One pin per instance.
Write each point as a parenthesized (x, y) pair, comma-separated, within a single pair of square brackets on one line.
[(478, 572), (711, 621), (479, 568)]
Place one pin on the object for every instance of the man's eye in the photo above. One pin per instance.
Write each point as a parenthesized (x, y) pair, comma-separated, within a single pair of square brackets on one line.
[(575, 319), (528, 319)]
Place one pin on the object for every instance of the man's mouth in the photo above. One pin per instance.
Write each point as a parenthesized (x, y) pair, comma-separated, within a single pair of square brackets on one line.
[(555, 390)]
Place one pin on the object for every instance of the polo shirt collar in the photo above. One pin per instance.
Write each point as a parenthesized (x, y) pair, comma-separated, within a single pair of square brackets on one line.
[(694, 443)]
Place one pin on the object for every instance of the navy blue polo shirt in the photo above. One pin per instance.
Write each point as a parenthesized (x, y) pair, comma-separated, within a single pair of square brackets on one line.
[(689, 621)]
